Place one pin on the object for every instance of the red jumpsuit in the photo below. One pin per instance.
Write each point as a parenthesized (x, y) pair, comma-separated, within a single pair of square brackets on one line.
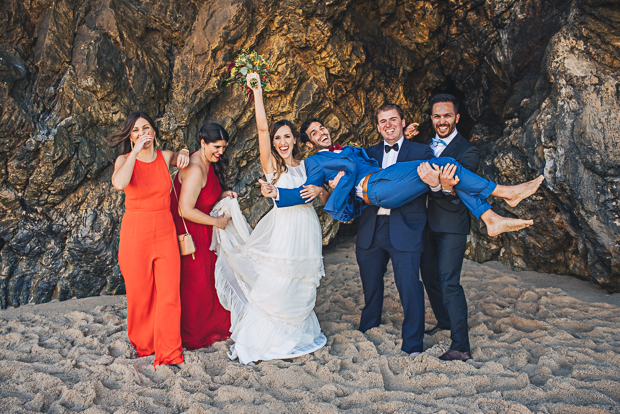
[(149, 260)]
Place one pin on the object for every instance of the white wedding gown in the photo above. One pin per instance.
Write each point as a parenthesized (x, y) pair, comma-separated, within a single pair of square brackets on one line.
[(267, 278)]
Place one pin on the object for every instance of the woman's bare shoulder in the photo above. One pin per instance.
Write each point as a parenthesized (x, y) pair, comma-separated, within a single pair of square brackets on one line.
[(193, 171)]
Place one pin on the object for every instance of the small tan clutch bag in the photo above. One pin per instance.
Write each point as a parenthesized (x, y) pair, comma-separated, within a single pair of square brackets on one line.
[(186, 244)]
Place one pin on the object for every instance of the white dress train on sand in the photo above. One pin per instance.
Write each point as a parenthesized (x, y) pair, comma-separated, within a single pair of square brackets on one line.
[(267, 278)]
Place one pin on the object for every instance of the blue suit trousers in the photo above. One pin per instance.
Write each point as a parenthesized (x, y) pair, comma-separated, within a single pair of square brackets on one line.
[(373, 264), (400, 183)]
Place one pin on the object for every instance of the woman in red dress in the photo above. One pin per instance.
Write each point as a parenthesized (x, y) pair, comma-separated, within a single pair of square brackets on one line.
[(198, 187), (148, 253)]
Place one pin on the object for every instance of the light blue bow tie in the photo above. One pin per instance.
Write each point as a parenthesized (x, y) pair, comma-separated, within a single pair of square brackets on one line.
[(439, 141)]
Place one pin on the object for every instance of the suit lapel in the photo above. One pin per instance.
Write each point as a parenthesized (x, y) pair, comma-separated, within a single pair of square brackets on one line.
[(380, 153), (376, 152), (452, 146), (404, 151)]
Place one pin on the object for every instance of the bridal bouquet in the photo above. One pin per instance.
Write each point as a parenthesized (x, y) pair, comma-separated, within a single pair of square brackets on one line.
[(248, 62)]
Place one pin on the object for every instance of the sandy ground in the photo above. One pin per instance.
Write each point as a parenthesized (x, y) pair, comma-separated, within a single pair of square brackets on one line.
[(536, 348)]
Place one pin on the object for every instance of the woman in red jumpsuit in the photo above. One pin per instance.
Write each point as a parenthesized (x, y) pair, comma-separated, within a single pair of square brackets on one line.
[(148, 250)]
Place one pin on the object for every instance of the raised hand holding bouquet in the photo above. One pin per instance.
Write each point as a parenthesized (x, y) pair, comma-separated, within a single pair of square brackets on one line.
[(248, 62)]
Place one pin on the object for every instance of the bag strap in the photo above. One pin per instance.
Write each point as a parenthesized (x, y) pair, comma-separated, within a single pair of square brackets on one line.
[(179, 206)]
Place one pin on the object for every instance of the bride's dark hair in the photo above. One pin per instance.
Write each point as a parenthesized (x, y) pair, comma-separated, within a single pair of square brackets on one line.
[(210, 133), (280, 164)]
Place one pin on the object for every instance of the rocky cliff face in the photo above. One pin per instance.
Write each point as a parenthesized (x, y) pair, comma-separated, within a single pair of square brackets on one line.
[(539, 81)]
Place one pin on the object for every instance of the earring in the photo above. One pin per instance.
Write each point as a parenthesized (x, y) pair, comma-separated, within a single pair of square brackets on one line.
[(131, 142), (155, 141)]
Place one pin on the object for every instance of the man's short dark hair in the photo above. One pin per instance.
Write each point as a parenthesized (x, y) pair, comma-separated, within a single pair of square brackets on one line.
[(445, 97), (304, 127), (388, 107)]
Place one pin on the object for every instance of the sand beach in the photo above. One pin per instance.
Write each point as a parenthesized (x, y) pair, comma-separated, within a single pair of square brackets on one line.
[(537, 348)]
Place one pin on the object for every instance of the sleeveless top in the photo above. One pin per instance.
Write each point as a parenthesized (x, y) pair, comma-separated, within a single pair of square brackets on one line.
[(149, 188), (209, 195)]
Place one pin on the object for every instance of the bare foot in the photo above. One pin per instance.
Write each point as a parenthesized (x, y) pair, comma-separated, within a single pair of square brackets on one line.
[(513, 194), (507, 225), (497, 224)]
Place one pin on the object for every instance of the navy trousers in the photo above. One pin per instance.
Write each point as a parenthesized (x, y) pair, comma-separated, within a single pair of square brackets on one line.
[(398, 184), (373, 264), (441, 272)]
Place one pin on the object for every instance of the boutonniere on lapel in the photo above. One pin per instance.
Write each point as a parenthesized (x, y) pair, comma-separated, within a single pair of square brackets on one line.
[(354, 144)]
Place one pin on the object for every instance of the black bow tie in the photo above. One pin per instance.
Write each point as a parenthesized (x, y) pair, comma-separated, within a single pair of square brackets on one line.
[(393, 147)]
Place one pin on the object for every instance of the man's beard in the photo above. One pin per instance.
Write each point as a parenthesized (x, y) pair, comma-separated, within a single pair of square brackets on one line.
[(318, 147), (451, 129)]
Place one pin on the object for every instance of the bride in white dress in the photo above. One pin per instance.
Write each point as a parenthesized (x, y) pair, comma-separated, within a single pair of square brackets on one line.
[(268, 277)]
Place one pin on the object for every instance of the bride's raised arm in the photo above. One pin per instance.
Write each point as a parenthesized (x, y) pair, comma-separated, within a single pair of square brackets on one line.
[(264, 141)]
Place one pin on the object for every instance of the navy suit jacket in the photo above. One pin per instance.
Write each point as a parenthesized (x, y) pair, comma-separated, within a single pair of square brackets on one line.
[(323, 166), (406, 222), (447, 213)]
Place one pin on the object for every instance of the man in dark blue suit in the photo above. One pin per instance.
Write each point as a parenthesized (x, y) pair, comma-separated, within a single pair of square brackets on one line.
[(395, 234), (447, 230)]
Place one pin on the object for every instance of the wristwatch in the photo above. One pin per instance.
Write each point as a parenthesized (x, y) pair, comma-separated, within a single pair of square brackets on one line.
[(446, 192)]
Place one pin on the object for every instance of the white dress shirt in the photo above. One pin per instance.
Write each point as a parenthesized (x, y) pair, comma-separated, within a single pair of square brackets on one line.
[(440, 147), (389, 158)]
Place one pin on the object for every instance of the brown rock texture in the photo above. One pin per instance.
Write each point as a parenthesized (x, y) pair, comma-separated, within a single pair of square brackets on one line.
[(539, 81)]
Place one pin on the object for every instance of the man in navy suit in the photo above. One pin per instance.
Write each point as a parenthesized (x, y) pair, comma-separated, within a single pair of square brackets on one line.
[(447, 230), (395, 234)]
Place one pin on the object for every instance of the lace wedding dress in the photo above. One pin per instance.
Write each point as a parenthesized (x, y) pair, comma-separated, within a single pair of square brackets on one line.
[(268, 277)]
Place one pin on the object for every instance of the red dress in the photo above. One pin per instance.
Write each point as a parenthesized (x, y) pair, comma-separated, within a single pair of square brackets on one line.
[(203, 319)]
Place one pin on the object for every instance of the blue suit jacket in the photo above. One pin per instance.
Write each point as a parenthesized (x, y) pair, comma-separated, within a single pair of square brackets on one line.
[(406, 222), (323, 166)]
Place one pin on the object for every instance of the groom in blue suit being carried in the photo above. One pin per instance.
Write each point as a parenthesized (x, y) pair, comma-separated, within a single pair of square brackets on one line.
[(358, 181)]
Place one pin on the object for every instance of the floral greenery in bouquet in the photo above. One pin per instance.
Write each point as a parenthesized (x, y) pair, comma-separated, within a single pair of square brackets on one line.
[(248, 62)]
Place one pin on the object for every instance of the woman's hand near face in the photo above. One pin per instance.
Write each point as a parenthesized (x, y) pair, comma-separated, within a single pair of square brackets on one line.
[(141, 142), (123, 167)]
